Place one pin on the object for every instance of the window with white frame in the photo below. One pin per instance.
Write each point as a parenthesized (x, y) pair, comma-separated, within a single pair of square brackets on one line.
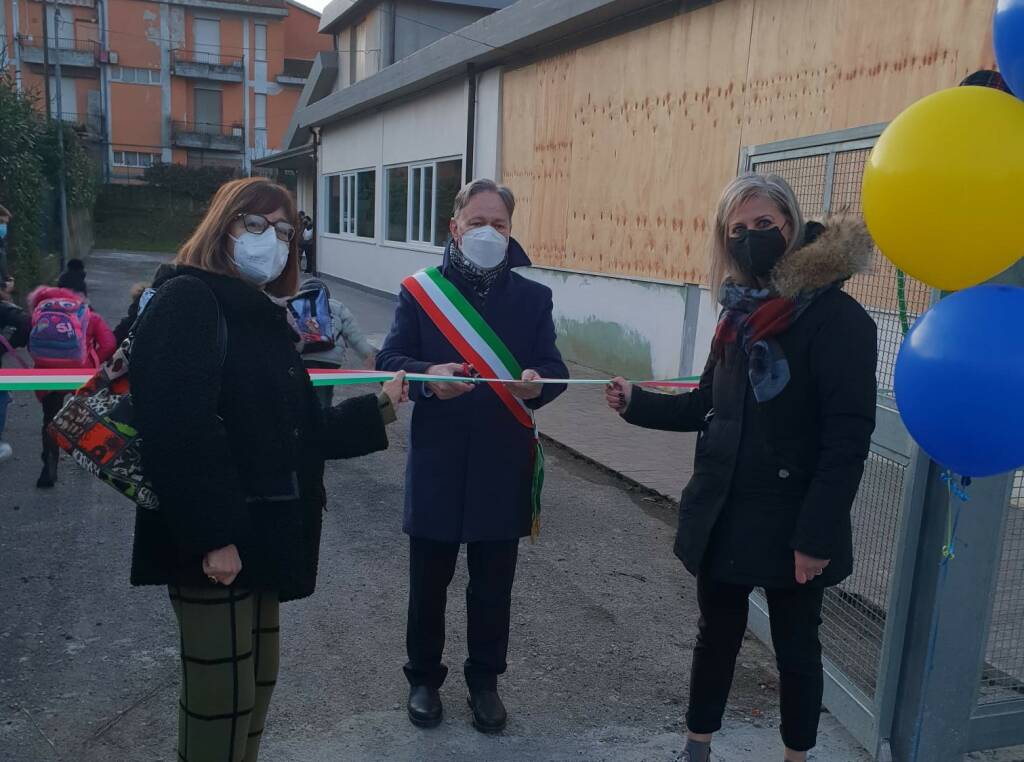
[(419, 201), (134, 75), (359, 203), (135, 159), (332, 202)]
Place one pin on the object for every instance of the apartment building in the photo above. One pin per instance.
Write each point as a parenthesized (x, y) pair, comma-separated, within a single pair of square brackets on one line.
[(192, 82)]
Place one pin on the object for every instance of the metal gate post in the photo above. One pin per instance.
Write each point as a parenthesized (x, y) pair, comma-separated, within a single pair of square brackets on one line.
[(948, 621)]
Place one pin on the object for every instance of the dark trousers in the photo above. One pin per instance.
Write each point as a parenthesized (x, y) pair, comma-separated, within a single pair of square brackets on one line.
[(52, 403), (795, 615), (492, 569)]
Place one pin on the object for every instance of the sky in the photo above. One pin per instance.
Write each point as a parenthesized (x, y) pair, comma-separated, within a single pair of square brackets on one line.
[(317, 5)]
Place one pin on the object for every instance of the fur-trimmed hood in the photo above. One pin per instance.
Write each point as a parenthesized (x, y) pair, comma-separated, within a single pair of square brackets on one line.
[(841, 249)]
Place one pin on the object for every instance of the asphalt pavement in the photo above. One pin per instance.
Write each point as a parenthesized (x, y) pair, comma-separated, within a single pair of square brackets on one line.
[(603, 622)]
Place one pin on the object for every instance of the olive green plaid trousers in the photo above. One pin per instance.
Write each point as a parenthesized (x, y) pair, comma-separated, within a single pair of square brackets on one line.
[(230, 647)]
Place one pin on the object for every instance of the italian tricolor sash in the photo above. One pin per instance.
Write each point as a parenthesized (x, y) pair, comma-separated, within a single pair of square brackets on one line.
[(478, 344)]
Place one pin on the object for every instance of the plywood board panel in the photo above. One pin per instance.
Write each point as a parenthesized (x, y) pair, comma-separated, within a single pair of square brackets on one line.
[(633, 137), (552, 153), (518, 115), (653, 143)]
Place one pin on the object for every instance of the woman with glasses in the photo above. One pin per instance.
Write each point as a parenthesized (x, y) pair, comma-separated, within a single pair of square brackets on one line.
[(234, 442), (784, 414)]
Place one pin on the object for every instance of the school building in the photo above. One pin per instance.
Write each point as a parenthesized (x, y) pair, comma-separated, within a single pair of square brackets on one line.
[(185, 81), (617, 123)]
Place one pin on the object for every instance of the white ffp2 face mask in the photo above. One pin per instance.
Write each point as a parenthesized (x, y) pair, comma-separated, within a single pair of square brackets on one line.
[(485, 247), (261, 257)]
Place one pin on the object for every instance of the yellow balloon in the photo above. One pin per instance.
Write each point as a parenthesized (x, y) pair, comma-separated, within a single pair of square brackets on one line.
[(944, 187)]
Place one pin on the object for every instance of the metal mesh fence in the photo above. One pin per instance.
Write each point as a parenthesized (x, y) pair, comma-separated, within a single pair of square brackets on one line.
[(1002, 677), (892, 299), (806, 175), (854, 613)]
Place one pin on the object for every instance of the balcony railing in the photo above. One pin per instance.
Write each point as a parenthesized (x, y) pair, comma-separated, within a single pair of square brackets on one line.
[(70, 51), (196, 133), (205, 57), (89, 126), (207, 64)]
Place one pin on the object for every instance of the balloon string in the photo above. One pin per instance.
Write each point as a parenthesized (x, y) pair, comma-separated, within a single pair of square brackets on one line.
[(959, 491), (901, 298)]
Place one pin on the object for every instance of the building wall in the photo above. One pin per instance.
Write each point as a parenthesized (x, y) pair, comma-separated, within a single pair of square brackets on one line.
[(419, 24), (617, 151), (78, 26), (641, 131), (359, 54), (143, 35), (431, 127)]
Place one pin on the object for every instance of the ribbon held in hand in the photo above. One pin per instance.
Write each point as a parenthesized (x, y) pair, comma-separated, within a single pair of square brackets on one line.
[(39, 379)]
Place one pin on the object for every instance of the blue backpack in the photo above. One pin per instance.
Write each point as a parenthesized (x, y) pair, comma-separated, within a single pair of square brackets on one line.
[(311, 308)]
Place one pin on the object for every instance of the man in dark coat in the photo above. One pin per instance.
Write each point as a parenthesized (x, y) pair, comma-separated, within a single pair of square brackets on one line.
[(470, 468)]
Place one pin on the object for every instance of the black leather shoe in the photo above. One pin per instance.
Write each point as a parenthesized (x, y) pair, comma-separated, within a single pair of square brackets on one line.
[(425, 708), (489, 715)]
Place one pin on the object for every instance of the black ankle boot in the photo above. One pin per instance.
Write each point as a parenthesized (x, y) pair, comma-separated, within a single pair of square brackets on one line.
[(489, 715), (425, 709), (48, 476)]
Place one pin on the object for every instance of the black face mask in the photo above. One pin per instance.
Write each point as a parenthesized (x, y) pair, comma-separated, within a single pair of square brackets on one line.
[(758, 251)]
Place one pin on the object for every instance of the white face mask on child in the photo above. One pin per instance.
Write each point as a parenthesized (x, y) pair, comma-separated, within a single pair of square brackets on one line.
[(260, 257)]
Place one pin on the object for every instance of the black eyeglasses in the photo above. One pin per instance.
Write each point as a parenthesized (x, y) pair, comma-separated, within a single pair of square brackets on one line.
[(258, 224)]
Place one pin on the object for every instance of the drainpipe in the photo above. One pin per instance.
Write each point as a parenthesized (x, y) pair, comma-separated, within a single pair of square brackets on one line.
[(470, 121), (101, 6), (392, 31), (46, 60), (312, 266), (16, 38)]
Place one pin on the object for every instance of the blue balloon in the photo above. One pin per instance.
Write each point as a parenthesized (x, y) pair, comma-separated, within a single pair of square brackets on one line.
[(1008, 39), (960, 381)]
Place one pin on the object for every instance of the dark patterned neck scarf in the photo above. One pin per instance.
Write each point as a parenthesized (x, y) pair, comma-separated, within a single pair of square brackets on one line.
[(751, 319), (479, 278)]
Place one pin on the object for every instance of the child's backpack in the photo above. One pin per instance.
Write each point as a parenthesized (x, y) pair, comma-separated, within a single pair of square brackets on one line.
[(60, 327), (311, 308), (97, 428)]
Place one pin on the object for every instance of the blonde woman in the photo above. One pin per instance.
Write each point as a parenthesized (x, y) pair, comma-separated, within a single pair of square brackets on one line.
[(784, 411)]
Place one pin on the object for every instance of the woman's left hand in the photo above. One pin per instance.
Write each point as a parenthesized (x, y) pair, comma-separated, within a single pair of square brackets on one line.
[(807, 568), (397, 389)]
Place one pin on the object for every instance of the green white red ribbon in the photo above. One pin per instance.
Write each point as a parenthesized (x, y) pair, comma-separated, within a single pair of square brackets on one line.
[(44, 380)]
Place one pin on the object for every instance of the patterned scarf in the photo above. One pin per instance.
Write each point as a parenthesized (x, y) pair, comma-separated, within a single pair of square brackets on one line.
[(751, 319), (479, 278)]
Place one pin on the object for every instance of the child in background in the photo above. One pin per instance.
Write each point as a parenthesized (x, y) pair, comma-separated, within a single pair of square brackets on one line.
[(66, 333), (346, 333), (14, 328)]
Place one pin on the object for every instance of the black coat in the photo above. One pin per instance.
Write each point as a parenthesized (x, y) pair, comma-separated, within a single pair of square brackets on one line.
[(234, 449), (770, 478), (469, 472), (15, 325)]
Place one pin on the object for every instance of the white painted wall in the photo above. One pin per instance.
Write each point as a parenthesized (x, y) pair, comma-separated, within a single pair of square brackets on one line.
[(707, 320), (487, 137), (431, 127), (652, 313)]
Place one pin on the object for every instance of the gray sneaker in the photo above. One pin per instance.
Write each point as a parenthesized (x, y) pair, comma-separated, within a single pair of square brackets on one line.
[(6, 452)]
